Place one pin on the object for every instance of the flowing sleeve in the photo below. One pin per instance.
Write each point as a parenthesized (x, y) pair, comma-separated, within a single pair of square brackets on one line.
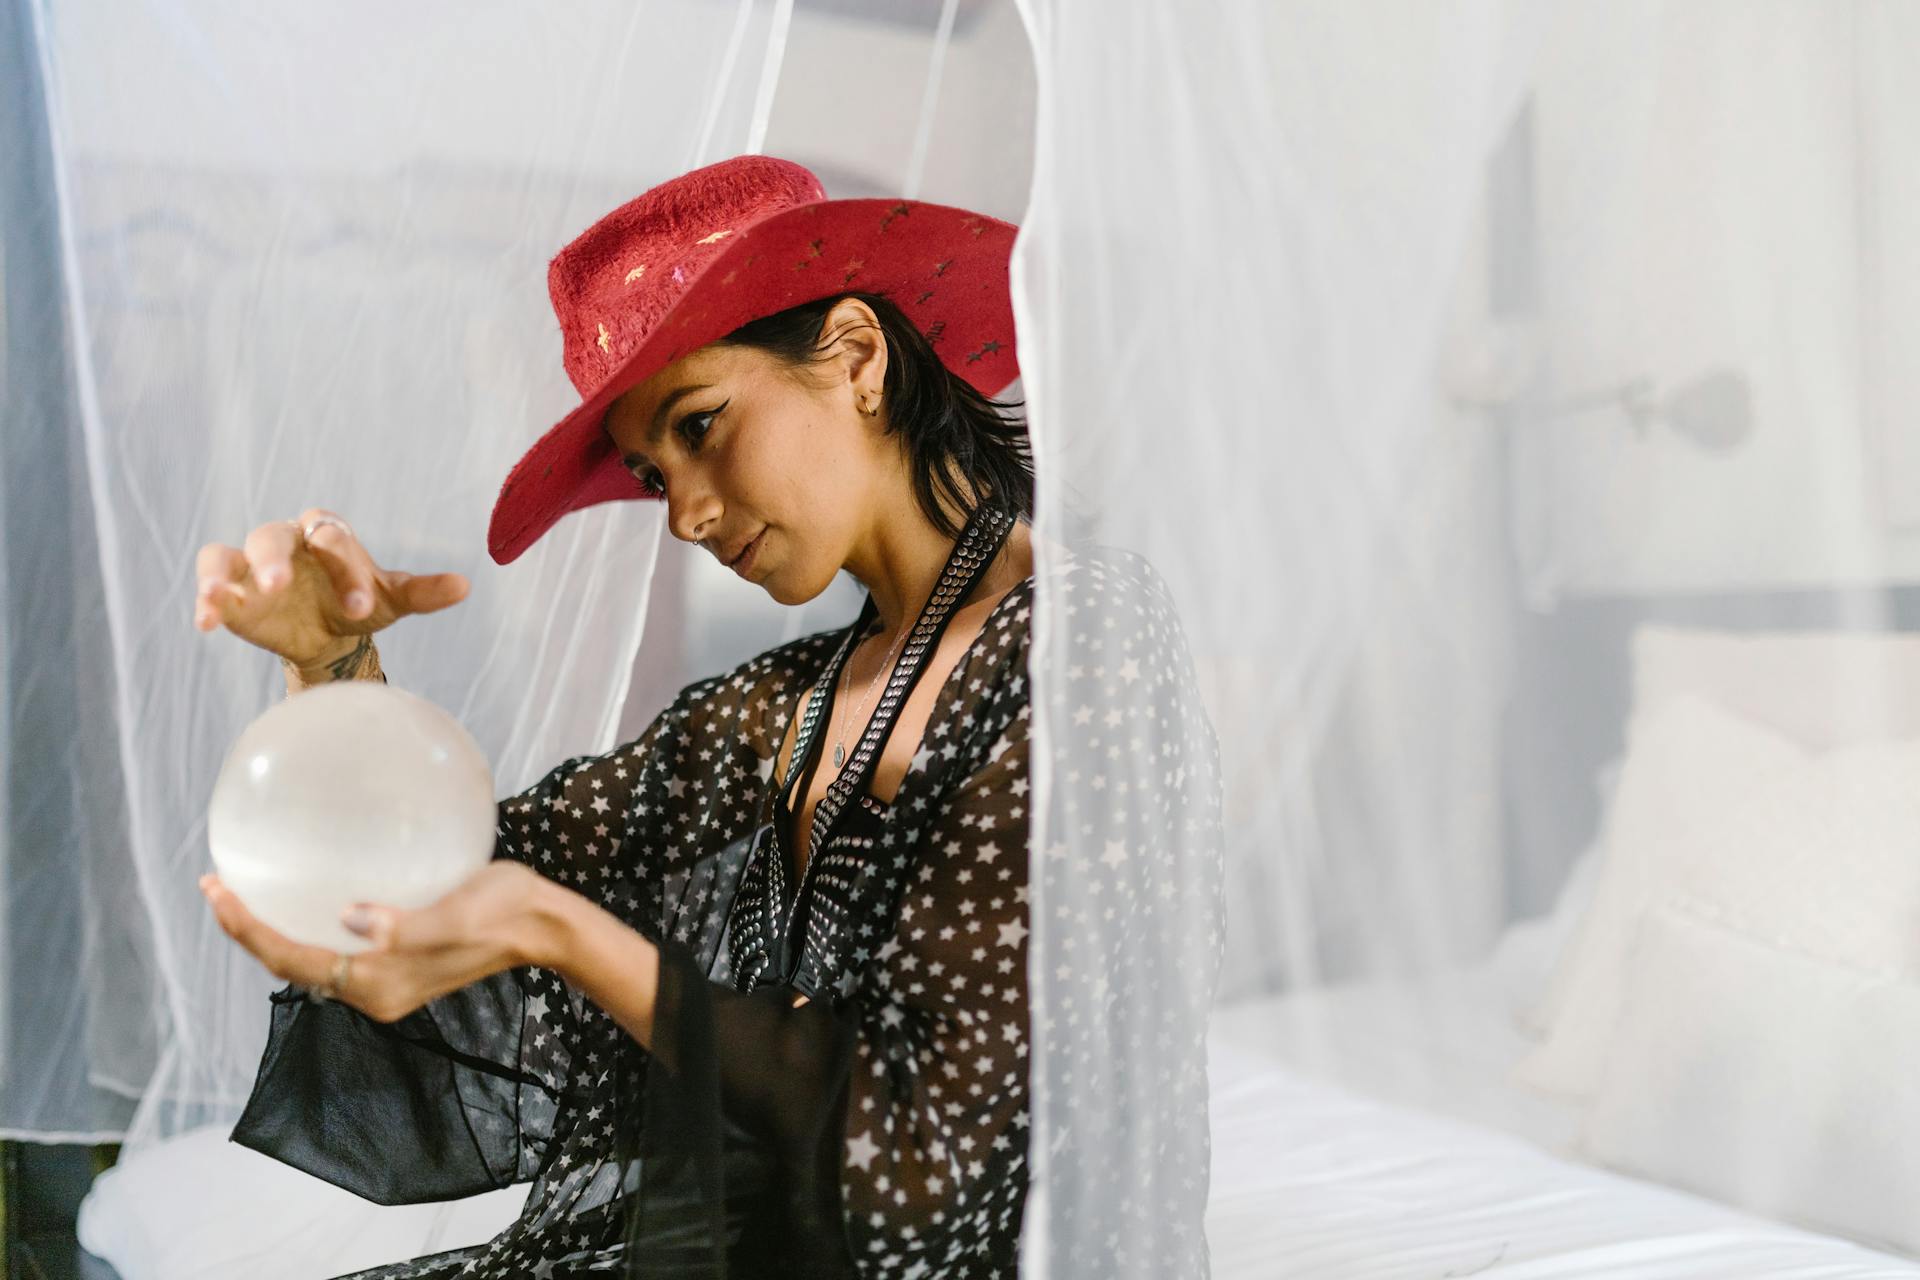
[(460, 1096), (898, 1113)]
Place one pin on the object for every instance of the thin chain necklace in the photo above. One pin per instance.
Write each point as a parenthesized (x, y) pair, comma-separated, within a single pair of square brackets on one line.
[(840, 738)]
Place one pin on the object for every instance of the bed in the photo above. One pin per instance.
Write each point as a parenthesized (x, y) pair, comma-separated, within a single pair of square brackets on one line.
[(1312, 1180), (1432, 1150)]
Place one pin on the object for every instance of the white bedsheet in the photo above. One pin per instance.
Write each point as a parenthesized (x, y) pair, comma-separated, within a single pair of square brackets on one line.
[(1313, 1180), (1446, 1044), (198, 1207)]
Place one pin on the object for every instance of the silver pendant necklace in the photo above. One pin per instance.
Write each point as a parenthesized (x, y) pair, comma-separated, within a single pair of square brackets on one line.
[(840, 738)]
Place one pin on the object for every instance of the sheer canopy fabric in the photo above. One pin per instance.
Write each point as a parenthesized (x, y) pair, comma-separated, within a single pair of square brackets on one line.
[(279, 298), (1492, 383)]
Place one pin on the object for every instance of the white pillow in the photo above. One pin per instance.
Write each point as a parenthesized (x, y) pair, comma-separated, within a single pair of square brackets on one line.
[(1819, 689), (1771, 1080), (198, 1207), (1814, 853)]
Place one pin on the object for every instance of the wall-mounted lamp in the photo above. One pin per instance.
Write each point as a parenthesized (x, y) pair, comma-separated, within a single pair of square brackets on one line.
[(1713, 410), (1489, 367)]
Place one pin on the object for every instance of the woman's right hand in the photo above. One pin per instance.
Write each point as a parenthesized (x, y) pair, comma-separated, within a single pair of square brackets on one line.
[(309, 600)]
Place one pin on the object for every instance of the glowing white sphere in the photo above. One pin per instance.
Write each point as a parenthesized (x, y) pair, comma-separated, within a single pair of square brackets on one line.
[(344, 793)]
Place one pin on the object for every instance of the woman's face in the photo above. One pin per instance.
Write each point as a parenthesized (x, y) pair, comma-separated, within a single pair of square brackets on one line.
[(776, 473)]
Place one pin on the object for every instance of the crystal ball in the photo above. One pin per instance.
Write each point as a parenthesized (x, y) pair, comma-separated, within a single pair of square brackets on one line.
[(344, 793)]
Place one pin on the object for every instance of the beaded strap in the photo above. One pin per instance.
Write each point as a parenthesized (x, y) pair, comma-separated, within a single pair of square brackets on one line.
[(986, 531)]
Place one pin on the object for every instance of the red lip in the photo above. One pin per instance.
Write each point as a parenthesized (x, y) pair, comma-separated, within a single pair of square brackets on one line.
[(743, 559)]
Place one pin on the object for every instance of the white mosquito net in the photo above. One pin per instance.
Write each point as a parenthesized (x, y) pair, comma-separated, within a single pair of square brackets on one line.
[(1507, 394), (1510, 397)]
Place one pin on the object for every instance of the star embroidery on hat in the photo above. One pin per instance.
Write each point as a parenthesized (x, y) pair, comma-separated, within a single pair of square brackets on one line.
[(900, 210), (813, 251), (923, 297), (940, 268), (852, 269), (986, 349), (606, 340), (635, 274), (715, 238)]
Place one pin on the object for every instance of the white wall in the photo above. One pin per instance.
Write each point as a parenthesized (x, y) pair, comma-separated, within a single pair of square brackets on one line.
[(850, 102), (1729, 183)]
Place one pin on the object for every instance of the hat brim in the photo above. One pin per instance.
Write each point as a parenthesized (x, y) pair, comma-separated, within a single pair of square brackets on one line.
[(945, 268)]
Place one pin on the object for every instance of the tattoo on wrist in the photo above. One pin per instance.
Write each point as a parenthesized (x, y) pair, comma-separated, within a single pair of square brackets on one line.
[(362, 662), (347, 666)]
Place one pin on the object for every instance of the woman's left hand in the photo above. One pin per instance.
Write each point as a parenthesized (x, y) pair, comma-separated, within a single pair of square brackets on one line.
[(490, 923)]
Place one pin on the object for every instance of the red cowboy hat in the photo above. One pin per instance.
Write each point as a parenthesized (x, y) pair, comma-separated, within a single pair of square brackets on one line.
[(695, 258)]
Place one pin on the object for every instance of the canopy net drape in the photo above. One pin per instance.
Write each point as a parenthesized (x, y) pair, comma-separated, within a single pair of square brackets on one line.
[(1507, 394), (1509, 399)]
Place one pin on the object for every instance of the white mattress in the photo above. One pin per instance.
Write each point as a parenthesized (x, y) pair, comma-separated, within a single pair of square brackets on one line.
[(1432, 1165), (1445, 1043)]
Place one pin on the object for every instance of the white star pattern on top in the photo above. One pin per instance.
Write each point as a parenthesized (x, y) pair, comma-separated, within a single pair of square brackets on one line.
[(916, 933)]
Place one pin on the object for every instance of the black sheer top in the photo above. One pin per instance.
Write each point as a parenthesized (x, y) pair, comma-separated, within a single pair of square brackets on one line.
[(878, 1130)]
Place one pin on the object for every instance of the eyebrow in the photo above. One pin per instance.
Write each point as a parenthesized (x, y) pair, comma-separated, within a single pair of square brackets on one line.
[(658, 426)]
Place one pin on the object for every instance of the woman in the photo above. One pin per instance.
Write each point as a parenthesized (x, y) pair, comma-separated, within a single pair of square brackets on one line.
[(745, 996)]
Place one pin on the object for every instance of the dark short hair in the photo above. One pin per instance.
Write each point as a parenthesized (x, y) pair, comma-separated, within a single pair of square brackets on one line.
[(943, 422)]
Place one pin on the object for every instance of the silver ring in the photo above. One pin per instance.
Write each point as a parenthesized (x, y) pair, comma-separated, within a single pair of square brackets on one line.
[(307, 532)]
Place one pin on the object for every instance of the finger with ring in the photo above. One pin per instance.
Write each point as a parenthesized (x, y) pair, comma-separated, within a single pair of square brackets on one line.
[(318, 521)]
